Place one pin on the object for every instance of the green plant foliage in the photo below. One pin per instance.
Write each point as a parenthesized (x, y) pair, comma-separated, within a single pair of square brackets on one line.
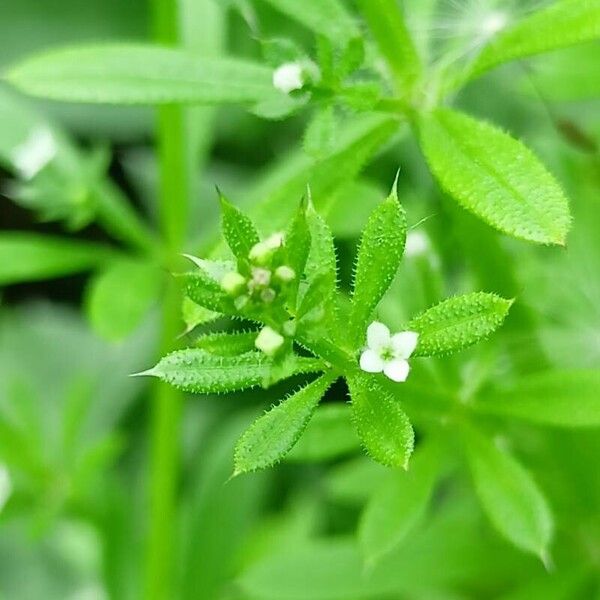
[(397, 505), (379, 256), (458, 322), (238, 230), (509, 495), (563, 23), (274, 434), (228, 344), (557, 398), (494, 176), (381, 423), (131, 74), (27, 257), (135, 284), (195, 370)]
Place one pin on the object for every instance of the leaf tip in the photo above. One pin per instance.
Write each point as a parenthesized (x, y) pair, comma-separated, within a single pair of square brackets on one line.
[(147, 373)]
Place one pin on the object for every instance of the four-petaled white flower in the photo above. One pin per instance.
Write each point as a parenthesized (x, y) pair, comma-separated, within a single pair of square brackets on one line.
[(388, 353), (288, 77)]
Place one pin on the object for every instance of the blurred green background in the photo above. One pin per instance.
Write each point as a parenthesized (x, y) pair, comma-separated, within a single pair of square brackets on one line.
[(74, 426)]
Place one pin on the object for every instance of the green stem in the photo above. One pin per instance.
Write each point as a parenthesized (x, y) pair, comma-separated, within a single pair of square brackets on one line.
[(174, 196)]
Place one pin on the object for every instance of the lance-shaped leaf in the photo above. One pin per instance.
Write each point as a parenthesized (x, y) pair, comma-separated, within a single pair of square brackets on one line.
[(557, 398), (194, 315), (238, 230), (228, 344), (330, 434), (379, 256), (140, 74), (458, 322), (397, 505), (202, 289), (387, 25), (327, 17), (509, 495), (564, 23), (121, 296), (494, 176), (297, 246), (272, 436), (195, 370), (381, 423), (28, 257)]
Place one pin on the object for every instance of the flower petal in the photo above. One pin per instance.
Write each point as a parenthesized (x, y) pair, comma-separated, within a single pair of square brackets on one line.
[(404, 343), (371, 362), (397, 369), (378, 336)]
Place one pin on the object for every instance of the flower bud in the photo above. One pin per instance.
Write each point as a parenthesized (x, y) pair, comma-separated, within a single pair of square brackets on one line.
[(261, 277), (269, 341), (288, 77), (268, 295), (289, 328), (285, 273), (233, 283)]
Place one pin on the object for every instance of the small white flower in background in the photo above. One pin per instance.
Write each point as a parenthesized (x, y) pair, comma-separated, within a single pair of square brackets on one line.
[(262, 252), (417, 243), (5, 486), (288, 77), (388, 353), (34, 153)]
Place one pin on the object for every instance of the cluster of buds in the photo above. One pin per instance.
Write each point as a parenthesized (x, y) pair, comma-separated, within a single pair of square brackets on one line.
[(261, 283)]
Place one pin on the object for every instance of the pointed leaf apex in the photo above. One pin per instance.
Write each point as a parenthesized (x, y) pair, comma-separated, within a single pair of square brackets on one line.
[(308, 199), (197, 261), (546, 559), (394, 190), (147, 373)]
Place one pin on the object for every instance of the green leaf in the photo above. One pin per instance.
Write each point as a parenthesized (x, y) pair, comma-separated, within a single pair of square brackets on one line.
[(387, 25), (379, 257), (458, 323), (297, 246), (228, 344), (509, 495), (273, 198), (31, 257), (494, 176), (562, 24), (319, 136), (205, 291), (238, 230), (273, 435), (557, 398), (327, 17), (330, 434), (397, 506), (139, 74), (194, 315), (382, 425), (121, 296), (198, 371)]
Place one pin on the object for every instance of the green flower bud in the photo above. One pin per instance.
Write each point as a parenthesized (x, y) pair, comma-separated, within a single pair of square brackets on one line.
[(285, 273), (233, 283), (269, 341), (268, 295), (289, 328), (261, 277), (262, 252)]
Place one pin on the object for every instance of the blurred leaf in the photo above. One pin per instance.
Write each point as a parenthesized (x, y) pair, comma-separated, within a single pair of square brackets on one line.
[(382, 425), (509, 495), (327, 17), (329, 434), (396, 506), (139, 74), (557, 398), (379, 255), (119, 297), (564, 23), (494, 176), (274, 434), (387, 25), (29, 256), (458, 322), (194, 315), (197, 371), (319, 135)]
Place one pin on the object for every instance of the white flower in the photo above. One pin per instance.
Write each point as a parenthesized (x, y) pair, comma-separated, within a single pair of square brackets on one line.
[(388, 353), (34, 153), (288, 77), (269, 341), (417, 243)]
